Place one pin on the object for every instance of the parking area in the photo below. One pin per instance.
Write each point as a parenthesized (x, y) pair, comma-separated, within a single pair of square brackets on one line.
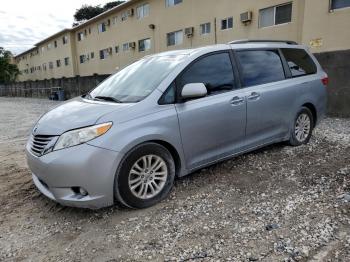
[(279, 203)]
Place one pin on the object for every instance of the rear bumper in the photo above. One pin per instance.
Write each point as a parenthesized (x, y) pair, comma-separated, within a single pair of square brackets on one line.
[(91, 168)]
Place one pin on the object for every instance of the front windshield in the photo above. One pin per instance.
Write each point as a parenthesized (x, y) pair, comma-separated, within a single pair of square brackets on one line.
[(135, 82)]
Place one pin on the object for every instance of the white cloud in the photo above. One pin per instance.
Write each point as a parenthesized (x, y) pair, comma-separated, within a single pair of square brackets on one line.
[(24, 23)]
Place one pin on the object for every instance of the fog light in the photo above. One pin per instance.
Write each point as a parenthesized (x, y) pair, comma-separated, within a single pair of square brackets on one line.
[(82, 191)]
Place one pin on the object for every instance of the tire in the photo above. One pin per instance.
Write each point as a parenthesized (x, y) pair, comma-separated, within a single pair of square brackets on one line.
[(137, 184), (302, 128)]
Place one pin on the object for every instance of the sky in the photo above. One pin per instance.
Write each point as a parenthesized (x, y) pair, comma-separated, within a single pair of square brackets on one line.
[(23, 23)]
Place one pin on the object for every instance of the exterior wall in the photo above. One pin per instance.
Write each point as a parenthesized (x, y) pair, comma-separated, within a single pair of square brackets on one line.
[(312, 23), (330, 28), (179, 17), (337, 66), (42, 55)]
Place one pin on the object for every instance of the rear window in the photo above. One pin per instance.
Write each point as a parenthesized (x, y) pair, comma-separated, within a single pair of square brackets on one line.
[(260, 66), (299, 62)]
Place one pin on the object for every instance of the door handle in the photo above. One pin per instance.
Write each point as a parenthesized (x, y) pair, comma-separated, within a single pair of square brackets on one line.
[(237, 100), (254, 96)]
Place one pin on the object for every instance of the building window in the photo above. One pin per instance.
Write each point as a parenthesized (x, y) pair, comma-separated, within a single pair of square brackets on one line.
[(89, 30), (275, 15), (142, 11), (50, 65), (227, 23), (126, 47), (125, 16), (104, 54), (175, 38), (44, 66), (82, 59), (49, 46), (80, 36), (116, 48), (65, 39), (92, 55), (338, 4), (58, 63), (205, 28), (169, 3), (101, 28), (144, 45), (115, 20), (66, 61), (55, 44)]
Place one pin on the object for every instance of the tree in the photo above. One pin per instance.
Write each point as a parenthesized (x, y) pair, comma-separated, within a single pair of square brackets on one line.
[(110, 5), (87, 12), (8, 71)]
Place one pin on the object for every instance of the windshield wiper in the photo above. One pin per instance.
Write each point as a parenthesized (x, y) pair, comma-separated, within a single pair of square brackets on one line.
[(107, 98)]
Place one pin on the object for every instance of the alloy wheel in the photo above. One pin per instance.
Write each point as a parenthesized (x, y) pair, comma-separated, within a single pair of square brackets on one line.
[(148, 176), (302, 127)]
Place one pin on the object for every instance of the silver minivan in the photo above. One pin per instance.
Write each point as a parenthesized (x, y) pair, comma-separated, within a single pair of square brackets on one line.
[(170, 114)]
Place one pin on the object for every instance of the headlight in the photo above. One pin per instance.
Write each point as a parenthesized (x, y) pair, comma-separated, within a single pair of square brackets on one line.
[(82, 135)]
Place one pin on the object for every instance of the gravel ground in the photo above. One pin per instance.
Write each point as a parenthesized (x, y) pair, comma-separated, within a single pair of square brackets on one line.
[(277, 204)]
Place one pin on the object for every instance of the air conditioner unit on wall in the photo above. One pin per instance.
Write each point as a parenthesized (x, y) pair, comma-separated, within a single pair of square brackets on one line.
[(246, 17), (130, 12), (132, 45), (189, 31)]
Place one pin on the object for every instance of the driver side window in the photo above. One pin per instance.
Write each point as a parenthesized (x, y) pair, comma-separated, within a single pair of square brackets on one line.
[(214, 71)]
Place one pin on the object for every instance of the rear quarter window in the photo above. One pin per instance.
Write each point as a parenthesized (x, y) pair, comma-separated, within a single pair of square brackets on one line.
[(260, 66), (299, 61)]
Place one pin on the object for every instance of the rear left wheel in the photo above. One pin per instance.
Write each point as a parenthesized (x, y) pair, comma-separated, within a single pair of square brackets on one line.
[(145, 176), (302, 129)]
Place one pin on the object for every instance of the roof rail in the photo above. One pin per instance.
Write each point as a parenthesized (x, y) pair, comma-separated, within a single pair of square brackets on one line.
[(246, 41)]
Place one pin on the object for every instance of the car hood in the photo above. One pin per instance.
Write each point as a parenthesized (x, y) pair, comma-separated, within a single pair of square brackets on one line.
[(74, 114)]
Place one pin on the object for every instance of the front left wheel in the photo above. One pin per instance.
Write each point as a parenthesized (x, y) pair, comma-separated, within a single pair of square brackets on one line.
[(145, 176)]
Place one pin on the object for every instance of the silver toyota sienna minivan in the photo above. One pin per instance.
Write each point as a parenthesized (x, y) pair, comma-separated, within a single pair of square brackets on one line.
[(170, 114)]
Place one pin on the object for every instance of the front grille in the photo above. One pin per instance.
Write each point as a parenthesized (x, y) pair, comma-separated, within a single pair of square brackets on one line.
[(38, 144)]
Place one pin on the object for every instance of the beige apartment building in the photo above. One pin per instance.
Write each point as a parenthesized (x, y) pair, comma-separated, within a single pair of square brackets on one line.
[(137, 28)]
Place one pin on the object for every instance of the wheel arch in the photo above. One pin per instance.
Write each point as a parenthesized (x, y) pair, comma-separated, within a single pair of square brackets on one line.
[(313, 110), (178, 159), (173, 152)]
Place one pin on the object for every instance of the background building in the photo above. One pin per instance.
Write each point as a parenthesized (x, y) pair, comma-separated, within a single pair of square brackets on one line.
[(77, 59), (137, 28)]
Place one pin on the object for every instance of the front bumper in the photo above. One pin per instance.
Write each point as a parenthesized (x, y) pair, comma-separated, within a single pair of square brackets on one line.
[(91, 168)]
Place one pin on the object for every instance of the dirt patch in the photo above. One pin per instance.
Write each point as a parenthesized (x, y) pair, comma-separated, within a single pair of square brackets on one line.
[(278, 203)]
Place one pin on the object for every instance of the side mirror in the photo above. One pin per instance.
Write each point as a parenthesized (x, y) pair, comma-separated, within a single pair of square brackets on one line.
[(195, 90)]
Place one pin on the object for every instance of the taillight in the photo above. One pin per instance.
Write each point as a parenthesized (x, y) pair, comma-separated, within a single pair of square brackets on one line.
[(325, 80)]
